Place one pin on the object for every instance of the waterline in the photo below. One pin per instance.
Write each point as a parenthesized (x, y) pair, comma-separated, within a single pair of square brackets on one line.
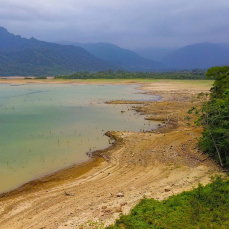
[(47, 127)]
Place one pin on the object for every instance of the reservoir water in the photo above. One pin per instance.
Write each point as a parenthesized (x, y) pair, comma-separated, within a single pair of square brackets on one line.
[(47, 127)]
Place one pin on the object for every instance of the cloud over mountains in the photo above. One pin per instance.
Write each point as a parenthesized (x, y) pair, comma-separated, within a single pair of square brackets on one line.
[(126, 23)]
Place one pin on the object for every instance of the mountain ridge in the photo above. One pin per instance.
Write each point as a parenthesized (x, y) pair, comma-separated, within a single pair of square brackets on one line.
[(21, 56), (127, 59), (199, 55)]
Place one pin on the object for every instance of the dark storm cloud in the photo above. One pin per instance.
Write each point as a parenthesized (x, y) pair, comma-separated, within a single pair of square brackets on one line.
[(129, 23)]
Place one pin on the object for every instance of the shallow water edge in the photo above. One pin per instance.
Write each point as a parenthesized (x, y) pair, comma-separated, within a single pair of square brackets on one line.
[(116, 108)]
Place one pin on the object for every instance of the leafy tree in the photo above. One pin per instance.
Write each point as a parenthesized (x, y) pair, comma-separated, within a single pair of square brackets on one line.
[(221, 77), (215, 117)]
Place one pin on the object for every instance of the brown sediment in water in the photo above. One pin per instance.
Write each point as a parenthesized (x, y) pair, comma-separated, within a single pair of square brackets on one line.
[(154, 164)]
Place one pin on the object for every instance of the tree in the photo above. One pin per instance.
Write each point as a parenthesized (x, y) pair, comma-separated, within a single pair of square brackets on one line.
[(221, 77), (215, 117)]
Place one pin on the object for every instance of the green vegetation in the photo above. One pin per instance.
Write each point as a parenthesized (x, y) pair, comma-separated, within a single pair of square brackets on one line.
[(204, 207), (41, 77), (50, 61), (31, 57), (215, 117), (120, 74)]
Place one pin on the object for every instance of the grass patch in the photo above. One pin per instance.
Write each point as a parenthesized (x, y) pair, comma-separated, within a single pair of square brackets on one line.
[(203, 208)]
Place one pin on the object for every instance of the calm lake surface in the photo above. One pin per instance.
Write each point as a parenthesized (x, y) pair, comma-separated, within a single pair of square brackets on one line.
[(47, 127)]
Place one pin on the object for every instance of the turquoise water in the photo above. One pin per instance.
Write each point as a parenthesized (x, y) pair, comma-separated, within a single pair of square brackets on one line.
[(47, 127)]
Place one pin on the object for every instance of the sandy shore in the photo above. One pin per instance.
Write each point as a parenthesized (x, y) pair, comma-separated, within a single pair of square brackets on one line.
[(153, 164), (50, 80)]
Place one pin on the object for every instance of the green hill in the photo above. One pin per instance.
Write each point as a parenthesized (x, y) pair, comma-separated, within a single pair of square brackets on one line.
[(23, 57)]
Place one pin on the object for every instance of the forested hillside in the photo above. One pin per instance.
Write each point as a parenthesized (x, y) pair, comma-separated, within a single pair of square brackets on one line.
[(23, 57)]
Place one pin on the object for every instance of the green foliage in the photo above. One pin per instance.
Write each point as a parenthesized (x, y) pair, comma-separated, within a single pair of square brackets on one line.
[(51, 61), (41, 77), (221, 77), (204, 207), (215, 117), (120, 74), (31, 57)]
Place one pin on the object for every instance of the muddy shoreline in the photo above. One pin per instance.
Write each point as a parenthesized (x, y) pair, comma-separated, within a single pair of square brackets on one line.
[(68, 173), (78, 169), (153, 164)]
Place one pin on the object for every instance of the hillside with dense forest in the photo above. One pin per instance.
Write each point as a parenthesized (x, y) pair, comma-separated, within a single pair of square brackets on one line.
[(23, 57)]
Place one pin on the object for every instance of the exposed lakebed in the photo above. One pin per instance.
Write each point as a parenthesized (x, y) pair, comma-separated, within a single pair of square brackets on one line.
[(47, 127)]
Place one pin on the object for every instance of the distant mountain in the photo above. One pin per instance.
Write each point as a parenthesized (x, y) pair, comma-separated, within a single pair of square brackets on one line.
[(23, 57), (129, 60), (156, 54), (202, 55)]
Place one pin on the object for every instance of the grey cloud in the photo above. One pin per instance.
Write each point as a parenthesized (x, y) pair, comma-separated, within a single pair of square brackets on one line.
[(128, 23)]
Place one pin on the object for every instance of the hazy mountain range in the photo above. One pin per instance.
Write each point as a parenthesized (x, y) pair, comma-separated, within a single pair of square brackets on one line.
[(127, 59), (156, 53), (202, 55), (21, 56)]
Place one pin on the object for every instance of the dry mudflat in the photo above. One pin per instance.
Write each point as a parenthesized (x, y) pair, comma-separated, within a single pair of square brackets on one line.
[(153, 164)]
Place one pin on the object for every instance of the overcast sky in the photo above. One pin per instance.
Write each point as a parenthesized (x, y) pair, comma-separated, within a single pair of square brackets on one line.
[(127, 23)]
